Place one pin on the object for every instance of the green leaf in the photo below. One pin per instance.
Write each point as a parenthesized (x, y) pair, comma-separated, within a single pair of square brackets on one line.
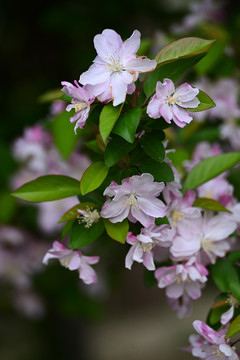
[(205, 102), (152, 145), (172, 70), (215, 54), (210, 168), (63, 133), (66, 229), (215, 314), (117, 231), (108, 117), (48, 188), (209, 204), (116, 149), (81, 236), (160, 171), (93, 177), (127, 124), (73, 212), (50, 96), (234, 256), (182, 48), (224, 273), (93, 145), (234, 327), (235, 290)]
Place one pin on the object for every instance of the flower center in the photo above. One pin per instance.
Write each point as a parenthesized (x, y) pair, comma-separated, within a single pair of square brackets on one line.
[(146, 246), (177, 216), (131, 201), (66, 261), (207, 244), (216, 352), (78, 106), (232, 301), (88, 217), (171, 100), (114, 64)]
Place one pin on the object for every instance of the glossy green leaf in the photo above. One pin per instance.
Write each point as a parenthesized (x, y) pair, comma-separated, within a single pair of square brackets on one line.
[(210, 168), (73, 212), (215, 314), (93, 145), (209, 204), (234, 256), (160, 171), (108, 117), (224, 273), (82, 236), (66, 229), (234, 327), (93, 177), (116, 149), (181, 48), (205, 102), (63, 133), (48, 188), (50, 96), (235, 290), (153, 147), (127, 124), (172, 70), (117, 231)]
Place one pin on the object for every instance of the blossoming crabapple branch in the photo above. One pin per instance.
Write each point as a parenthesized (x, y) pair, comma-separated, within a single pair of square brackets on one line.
[(144, 202)]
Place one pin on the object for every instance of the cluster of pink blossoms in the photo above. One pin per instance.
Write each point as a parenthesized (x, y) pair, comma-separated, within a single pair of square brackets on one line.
[(211, 344), (113, 75), (194, 237)]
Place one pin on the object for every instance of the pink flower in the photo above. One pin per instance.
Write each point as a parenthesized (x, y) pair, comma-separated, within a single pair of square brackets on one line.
[(180, 211), (180, 279), (211, 344), (81, 102), (140, 252), (142, 245), (170, 103), (116, 67), (135, 198), (208, 234), (73, 260), (218, 189)]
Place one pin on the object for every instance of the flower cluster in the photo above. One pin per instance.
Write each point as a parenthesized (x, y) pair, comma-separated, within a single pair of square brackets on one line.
[(112, 76), (211, 344), (194, 237)]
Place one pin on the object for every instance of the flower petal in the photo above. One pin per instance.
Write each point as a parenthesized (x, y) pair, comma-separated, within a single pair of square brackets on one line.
[(130, 46), (96, 74), (140, 65), (181, 117), (186, 92), (119, 85)]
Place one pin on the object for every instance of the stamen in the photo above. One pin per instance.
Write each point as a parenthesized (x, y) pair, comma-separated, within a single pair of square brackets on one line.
[(208, 244), (146, 246), (177, 216), (114, 64), (88, 216), (131, 201), (79, 105), (171, 100)]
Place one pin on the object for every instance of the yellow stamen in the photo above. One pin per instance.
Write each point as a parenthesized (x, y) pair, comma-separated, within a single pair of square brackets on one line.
[(177, 216)]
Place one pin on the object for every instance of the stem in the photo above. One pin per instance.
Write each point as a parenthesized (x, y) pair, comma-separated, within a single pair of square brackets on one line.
[(129, 102), (232, 344)]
